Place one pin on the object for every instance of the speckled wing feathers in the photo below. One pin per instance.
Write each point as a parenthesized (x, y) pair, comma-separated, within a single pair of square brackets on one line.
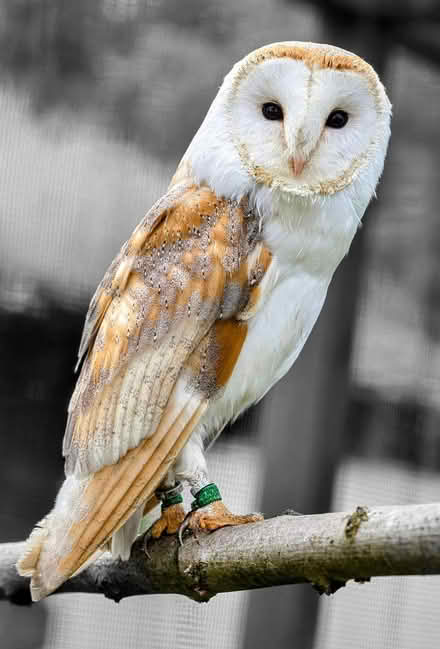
[(164, 331), (184, 268)]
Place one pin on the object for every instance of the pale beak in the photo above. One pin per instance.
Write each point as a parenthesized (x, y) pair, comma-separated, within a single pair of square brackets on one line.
[(297, 165)]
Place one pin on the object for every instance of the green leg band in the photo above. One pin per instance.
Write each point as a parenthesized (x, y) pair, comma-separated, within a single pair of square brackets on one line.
[(207, 495), (171, 496)]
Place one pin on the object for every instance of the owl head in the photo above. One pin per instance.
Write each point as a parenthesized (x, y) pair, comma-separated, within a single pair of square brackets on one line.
[(301, 119)]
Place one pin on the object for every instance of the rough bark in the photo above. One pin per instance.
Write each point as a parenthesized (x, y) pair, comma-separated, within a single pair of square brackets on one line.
[(326, 550)]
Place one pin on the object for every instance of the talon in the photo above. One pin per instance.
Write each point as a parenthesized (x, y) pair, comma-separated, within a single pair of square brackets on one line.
[(147, 538), (183, 526)]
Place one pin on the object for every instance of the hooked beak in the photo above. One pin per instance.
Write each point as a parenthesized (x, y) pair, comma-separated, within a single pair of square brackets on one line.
[(297, 165)]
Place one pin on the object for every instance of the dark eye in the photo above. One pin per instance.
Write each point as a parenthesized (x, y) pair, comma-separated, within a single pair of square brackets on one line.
[(337, 119), (271, 110)]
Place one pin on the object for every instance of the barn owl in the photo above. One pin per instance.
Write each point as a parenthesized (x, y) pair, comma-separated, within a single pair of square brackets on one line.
[(211, 300)]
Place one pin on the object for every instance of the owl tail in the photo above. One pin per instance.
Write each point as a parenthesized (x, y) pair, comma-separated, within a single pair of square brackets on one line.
[(60, 546), (89, 511), (59, 534), (49, 540)]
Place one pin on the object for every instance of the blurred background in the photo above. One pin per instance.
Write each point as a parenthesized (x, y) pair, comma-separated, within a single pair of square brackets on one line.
[(98, 101)]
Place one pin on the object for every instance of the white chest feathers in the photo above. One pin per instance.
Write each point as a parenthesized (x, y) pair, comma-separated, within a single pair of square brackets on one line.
[(307, 245)]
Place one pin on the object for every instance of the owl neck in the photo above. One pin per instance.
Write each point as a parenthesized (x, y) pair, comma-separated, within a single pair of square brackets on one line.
[(312, 236)]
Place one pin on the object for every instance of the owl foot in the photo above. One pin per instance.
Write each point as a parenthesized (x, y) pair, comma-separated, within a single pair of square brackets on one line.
[(171, 519), (172, 514), (169, 522), (212, 517)]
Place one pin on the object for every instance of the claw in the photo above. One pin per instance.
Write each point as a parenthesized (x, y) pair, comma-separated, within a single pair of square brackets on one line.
[(183, 527), (147, 538)]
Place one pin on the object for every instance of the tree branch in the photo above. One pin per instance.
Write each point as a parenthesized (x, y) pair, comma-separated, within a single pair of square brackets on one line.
[(326, 550)]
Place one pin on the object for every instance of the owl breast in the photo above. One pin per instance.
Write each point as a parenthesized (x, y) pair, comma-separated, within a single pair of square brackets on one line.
[(291, 297), (276, 335)]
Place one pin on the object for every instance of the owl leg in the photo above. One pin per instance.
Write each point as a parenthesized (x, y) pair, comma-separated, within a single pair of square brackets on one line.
[(172, 511), (208, 511)]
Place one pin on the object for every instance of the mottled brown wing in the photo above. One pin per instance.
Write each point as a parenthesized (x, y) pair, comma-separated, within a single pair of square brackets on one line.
[(184, 268), (162, 337)]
